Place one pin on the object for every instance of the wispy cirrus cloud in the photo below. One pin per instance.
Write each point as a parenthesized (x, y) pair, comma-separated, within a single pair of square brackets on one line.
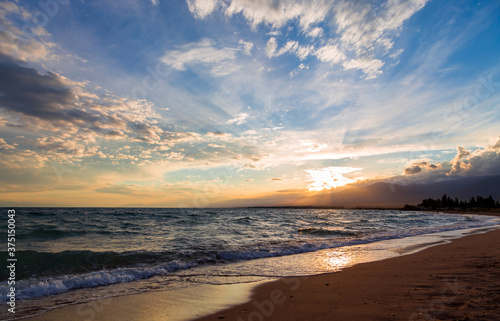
[(219, 61), (291, 47), (362, 29), (278, 13), (359, 28)]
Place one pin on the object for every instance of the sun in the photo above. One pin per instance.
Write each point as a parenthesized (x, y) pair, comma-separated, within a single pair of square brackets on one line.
[(330, 177)]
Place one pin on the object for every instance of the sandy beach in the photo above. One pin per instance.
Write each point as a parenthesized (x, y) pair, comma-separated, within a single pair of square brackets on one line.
[(455, 281)]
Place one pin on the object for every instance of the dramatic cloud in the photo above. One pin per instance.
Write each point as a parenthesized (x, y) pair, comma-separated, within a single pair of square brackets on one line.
[(480, 162), (24, 90), (259, 90), (462, 153), (64, 120), (477, 163), (51, 102), (417, 167), (412, 170)]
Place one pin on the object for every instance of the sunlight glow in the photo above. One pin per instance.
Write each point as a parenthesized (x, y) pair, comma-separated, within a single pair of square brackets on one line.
[(330, 177)]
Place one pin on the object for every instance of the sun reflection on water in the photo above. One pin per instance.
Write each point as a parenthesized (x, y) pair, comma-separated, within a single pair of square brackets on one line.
[(338, 259)]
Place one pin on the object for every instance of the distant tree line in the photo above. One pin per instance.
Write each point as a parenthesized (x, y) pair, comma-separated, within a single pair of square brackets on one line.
[(448, 202)]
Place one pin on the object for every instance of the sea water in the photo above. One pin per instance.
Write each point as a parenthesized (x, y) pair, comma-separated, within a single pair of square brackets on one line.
[(71, 255)]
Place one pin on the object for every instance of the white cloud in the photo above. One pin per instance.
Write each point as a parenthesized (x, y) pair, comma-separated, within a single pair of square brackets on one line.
[(395, 54), (301, 67), (330, 53), (359, 27), (219, 60), (355, 20), (239, 119), (271, 47), (247, 47), (302, 52), (333, 54), (315, 32), (201, 8), (371, 67), (16, 42), (216, 146), (274, 33), (291, 47), (363, 30), (278, 13)]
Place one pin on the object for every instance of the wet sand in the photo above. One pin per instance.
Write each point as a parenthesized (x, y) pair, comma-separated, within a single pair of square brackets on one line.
[(172, 305)]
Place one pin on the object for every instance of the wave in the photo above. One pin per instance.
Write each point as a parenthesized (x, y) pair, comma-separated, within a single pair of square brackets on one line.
[(326, 232), (45, 273), (52, 233), (43, 264), (34, 288)]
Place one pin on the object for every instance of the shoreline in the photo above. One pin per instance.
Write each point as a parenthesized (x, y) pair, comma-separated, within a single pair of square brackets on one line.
[(454, 281), (173, 305)]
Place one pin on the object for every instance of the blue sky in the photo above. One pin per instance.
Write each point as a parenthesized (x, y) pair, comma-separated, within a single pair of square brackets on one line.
[(188, 103)]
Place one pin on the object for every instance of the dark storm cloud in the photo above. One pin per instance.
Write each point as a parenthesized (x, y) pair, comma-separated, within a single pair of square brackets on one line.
[(57, 102), (24, 90), (413, 170), (417, 167)]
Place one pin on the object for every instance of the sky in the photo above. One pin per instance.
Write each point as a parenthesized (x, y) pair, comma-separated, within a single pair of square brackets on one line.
[(187, 103)]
